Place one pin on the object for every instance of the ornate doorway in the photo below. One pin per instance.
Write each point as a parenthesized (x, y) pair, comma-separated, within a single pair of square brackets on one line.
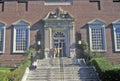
[(59, 43), (59, 33)]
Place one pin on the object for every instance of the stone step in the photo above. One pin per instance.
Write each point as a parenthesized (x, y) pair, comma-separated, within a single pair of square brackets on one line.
[(63, 69), (89, 79), (66, 61)]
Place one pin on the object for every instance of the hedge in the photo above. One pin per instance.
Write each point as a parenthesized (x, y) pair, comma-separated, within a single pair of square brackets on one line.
[(4, 72), (101, 64), (17, 74), (106, 71), (3, 76)]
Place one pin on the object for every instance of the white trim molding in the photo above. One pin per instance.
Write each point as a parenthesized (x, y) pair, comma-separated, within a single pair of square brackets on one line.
[(58, 2), (116, 33), (97, 37), (2, 36), (21, 36)]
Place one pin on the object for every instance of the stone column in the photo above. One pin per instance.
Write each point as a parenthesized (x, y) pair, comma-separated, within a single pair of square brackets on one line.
[(47, 42), (72, 42), (50, 29)]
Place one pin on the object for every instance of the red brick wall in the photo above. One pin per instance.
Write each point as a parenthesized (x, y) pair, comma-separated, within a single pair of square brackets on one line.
[(82, 10)]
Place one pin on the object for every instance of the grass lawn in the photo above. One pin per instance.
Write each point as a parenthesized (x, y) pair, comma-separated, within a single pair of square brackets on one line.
[(4, 72), (4, 69)]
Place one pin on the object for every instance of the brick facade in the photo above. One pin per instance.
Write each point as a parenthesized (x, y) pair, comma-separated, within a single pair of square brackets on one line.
[(83, 11)]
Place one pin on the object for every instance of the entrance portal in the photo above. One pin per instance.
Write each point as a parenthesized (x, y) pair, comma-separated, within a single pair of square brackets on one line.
[(59, 43), (59, 34)]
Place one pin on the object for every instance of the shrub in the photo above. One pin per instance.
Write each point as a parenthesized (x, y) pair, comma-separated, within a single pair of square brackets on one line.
[(101, 64), (3, 76), (17, 74), (106, 71), (111, 75)]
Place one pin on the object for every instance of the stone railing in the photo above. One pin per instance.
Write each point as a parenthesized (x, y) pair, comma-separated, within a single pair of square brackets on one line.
[(25, 74)]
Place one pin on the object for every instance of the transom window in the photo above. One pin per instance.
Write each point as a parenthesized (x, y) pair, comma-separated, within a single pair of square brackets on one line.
[(59, 34), (2, 37), (58, 2), (116, 31), (21, 37), (97, 36), (116, 0)]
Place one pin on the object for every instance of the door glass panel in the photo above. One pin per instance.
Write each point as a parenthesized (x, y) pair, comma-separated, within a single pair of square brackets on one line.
[(59, 43)]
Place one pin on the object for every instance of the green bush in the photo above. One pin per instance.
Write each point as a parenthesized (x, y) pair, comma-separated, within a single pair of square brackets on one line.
[(17, 74), (106, 71), (3, 76), (111, 75), (101, 64)]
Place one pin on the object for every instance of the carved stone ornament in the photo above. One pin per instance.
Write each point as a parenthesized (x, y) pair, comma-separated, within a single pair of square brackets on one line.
[(59, 14)]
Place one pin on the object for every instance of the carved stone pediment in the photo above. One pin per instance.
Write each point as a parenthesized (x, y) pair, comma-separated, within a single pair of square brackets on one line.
[(58, 14)]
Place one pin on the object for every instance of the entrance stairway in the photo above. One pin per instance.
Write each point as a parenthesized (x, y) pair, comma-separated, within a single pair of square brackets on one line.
[(62, 69)]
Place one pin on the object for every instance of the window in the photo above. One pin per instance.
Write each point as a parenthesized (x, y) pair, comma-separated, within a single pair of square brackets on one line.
[(116, 0), (1, 1), (59, 34), (94, 0), (97, 36), (21, 36), (2, 37), (98, 3), (58, 2), (22, 1), (116, 31)]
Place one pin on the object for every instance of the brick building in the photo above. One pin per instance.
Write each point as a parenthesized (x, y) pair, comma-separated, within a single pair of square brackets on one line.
[(58, 23)]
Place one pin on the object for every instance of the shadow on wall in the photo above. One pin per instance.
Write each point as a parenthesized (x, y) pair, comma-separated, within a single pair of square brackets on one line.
[(39, 36), (79, 37)]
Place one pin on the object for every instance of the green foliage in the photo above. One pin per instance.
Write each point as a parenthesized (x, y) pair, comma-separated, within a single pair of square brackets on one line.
[(101, 64), (84, 45), (111, 75), (3, 76), (30, 52), (4, 72), (17, 74), (106, 71)]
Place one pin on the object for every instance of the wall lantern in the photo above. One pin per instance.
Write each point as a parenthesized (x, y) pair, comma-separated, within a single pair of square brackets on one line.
[(38, 42), (79, 42)]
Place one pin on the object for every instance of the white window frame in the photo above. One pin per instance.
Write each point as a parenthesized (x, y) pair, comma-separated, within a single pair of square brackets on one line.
[(98, 25), (14, 38), (115, 26), (69, 2), (2, 26)]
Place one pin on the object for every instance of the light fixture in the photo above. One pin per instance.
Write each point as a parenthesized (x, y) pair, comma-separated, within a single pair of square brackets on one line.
[(79, 42), (38, 42)]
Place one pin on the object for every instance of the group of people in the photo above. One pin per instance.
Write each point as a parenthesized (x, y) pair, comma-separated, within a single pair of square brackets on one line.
[(55, 52)]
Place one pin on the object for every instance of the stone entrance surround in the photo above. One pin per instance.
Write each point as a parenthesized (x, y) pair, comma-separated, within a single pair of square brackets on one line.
[(59, 21)]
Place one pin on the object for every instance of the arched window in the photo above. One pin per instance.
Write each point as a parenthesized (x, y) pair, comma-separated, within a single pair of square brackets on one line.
[(59, 34), (21, 36), (97, 39)]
